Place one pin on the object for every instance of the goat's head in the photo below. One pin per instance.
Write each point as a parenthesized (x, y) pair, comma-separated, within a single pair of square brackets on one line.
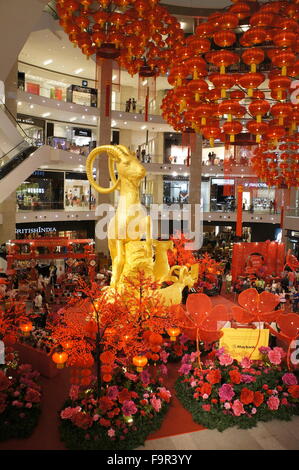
[(127, 164)]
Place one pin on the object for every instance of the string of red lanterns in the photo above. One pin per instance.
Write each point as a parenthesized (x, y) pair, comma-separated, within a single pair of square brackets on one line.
[(140, 34), (278, 165), (216, 92)]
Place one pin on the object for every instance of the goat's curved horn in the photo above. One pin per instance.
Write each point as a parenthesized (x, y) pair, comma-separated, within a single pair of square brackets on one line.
[(114, 154), (124, 149), (183, 272)]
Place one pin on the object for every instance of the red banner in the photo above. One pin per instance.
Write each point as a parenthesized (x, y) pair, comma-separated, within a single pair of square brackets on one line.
[(281, 216), (239, 211)]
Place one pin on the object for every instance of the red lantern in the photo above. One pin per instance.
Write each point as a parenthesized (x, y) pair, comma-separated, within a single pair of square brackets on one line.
[(224, 38), (60, 359), (139, 362), (257, 128), (253, 57), (26, 328), (251, 81), (232, 128), (259, 108)]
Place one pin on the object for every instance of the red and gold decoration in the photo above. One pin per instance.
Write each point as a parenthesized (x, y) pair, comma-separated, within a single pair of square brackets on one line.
[(221, 93), (278, 165), (140, 34)]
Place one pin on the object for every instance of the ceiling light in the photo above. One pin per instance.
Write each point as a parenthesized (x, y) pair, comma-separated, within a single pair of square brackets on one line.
[(31, 106), (114, 77), (19, 103), (125, 123), (143, 127), (78, 71), (83, 117), (73, 119), (46, 115), (48, 62), (113, 123), (144, 82), (94, 118)]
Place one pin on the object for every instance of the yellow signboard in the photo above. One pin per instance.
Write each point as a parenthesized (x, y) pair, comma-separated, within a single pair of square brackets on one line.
[(244, 342)]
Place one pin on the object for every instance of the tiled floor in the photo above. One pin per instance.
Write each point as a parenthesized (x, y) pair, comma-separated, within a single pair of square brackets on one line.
[(274, 435)]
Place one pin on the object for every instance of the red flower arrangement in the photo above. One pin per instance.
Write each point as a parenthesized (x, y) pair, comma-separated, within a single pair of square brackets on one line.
[(20, 398), (226, 393)]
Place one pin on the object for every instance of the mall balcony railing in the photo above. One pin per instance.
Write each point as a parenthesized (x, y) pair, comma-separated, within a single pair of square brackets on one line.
[(153, 108), (292, 212), (69, 206)]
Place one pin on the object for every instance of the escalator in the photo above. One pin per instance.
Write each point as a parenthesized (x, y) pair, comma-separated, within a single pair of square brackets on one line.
[(23, 157)]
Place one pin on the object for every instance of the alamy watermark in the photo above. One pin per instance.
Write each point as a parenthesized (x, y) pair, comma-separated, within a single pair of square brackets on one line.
[(158, 221)]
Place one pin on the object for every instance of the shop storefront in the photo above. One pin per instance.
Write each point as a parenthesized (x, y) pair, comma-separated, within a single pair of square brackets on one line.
[(78, 194), (70, 229), (175, 189), (293, 242), (82, 95), (257, 196), (222, 194), (43, 190), (75, 139)]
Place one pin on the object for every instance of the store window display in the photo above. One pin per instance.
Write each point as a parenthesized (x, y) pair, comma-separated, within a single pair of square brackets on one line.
[(78, 194), (41, 191)]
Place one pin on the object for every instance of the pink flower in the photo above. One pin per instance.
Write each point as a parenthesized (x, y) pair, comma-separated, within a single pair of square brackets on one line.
[(111, 432), (280, 351), (226, 392), (227, 405), (226, 360), (246, 363), (28, 405), (238, 408), (145, 377), (156, 404), (247, 379), (193, 383), (74, 392), (274, 357), (284, 401), (253, 411), (273, 403), (96, 417), (205, 396), (17, 403), (289, 379), (68, 412), (164, 356), (185, 369), (112, 392), (129, 408), (163, 369), (264, 349)]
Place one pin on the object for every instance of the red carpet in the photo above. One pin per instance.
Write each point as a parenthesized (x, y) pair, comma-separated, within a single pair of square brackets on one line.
[(55, 391)]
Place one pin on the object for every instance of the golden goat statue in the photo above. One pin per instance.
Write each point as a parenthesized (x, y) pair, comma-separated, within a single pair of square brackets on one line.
[(130, 230)]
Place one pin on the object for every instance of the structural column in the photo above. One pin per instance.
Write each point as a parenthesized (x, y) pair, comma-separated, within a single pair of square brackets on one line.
[(104, 138), (195, 181), (8, 207)]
